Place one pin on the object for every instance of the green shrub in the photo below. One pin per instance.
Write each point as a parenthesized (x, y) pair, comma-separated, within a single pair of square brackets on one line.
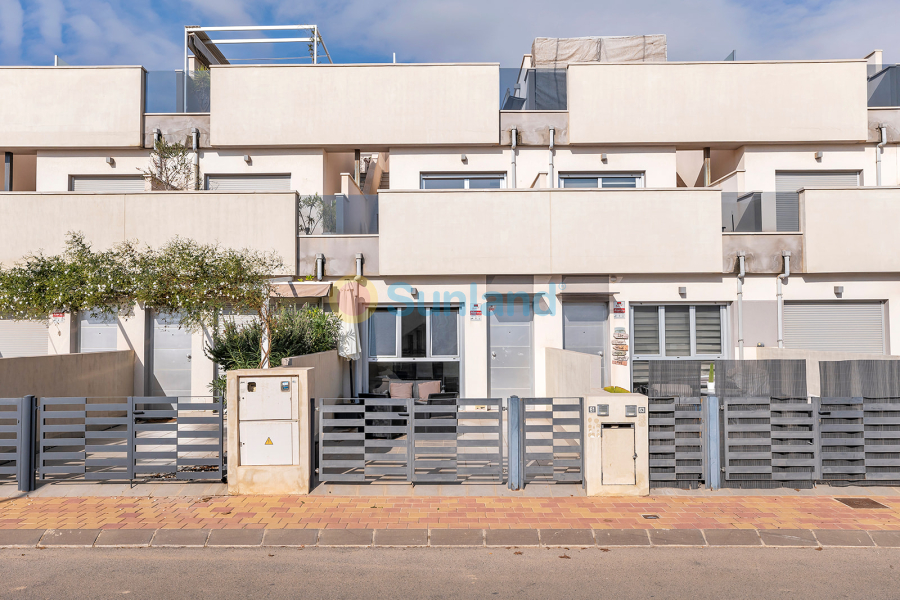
[(614, 389), (295, 332)]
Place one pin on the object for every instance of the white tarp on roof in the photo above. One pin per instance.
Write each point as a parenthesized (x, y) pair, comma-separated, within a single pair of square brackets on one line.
[(559, 52)]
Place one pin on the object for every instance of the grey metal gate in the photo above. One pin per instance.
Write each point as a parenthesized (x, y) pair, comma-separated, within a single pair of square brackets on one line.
[(364, 439), (122, 438), (860, 421), (553, 440), (379, 440), (770, 426), (459, 440), (676, 424)]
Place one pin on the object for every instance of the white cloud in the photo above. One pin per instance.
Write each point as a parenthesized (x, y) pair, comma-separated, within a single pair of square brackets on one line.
[(151, 33), (11, 26), (49, 15)]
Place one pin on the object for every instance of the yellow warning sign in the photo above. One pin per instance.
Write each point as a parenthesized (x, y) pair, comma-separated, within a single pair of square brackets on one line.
[(268, 441)]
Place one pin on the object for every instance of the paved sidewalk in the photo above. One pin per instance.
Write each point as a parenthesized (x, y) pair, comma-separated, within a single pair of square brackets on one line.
[(372, 512)]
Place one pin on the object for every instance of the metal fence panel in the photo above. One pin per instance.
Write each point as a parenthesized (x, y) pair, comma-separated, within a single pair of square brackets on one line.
[(554, 440), (462, 441), (364, 439), (10, 409), (676, 424), (860, 421), (369, 440), (770, 426), (129, 437)]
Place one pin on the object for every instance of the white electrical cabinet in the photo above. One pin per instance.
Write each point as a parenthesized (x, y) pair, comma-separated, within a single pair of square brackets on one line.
[(268, 420)]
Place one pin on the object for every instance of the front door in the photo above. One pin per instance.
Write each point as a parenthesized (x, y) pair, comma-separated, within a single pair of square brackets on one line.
[(511, 356), (171, 358)]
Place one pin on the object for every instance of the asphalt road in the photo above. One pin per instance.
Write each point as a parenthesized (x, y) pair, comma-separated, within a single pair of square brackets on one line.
[(683, 573)]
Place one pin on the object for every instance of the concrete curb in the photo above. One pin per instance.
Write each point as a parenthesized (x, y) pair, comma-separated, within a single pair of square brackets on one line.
[(447, 538)]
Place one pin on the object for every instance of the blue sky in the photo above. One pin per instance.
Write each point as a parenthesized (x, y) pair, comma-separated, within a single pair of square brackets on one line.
[(150, 32)]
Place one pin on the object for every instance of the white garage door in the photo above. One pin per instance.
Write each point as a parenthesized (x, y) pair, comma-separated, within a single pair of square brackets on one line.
[(108, 183), (22, 338), (249, 183), (787, 201), (835, 326)]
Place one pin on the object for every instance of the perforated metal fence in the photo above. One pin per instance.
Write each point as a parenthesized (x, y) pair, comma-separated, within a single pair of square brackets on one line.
[(770, 425), (860, 422), (676, 424)]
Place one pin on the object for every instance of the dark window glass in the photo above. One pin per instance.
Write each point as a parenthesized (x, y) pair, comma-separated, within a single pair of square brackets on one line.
[(579, 182), (619, 182), (485, 183), (444, 332), (383, 333), (412, 334), (443, 183)]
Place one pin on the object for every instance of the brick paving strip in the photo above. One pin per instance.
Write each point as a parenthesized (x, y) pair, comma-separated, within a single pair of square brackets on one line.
[(186, 521), (568, 539)]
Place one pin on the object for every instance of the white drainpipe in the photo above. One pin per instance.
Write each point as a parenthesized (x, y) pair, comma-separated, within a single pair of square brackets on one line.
[(878, 150), (513, 134), (781, 277), (740, 305), (552, 136)]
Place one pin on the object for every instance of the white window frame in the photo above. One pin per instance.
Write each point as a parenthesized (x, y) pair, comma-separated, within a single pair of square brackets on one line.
[(638, 175), (429, 357), (723, 315), (464, 176)]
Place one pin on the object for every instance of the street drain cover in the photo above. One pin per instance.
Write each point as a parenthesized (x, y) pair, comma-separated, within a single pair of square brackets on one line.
[(650, 516), (860, 503)]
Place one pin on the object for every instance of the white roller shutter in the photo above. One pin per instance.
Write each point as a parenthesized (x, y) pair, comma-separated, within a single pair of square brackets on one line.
[(249, 183), (22, 338), (787, 183), (108, 183), (834, 326)]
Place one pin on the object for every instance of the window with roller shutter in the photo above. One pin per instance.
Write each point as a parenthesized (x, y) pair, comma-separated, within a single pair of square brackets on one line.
[(675, 332)]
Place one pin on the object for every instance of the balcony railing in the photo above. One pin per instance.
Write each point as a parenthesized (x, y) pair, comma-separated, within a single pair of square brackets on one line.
[(533, 89), (884, 85), (759, 212), (164, 92), (338, 215)]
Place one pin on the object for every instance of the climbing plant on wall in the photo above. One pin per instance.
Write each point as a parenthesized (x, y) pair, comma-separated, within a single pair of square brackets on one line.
[(182, 277)]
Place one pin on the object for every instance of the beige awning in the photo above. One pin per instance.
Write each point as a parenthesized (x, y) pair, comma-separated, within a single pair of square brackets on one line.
[(301, 289)]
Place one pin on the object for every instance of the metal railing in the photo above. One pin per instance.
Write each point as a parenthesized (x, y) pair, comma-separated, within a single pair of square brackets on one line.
[(164, 92), (756, 212)]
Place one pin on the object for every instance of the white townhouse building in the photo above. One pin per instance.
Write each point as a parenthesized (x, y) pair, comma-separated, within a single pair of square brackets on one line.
[(599, 199)]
